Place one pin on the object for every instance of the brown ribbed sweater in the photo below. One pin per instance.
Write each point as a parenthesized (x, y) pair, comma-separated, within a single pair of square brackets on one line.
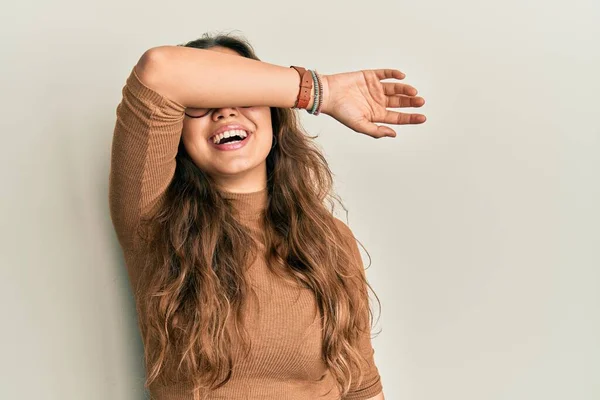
[(285, 362)]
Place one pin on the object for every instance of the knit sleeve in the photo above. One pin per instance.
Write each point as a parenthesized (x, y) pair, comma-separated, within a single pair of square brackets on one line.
[(145, 142), (371, 384)]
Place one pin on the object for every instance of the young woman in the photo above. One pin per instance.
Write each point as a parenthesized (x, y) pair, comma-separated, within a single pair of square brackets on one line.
[(246, 285)]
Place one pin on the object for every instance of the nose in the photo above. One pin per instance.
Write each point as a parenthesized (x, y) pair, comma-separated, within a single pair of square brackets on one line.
[(224, 112)]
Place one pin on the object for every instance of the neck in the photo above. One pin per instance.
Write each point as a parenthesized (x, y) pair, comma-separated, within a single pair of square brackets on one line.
[(248, 205)]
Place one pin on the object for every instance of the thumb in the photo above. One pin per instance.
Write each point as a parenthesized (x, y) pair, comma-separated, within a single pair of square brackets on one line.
[(374, 130)]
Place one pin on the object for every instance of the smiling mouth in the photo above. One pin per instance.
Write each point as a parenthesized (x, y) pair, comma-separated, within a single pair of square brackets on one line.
[(232, 136)]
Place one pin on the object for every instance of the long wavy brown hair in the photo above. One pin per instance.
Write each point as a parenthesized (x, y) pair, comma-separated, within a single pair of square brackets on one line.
[(192, 285)]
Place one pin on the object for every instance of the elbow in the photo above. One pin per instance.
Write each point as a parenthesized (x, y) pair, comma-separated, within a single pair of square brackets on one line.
[(154, 55), (147, 64)]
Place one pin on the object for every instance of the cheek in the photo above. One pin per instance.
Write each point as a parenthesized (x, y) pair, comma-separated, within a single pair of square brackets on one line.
[(262, 143), (195, 145), (262, 116), (259, 115)]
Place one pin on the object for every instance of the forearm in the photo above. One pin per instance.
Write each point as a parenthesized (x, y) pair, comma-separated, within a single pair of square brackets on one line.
[(199, 78)]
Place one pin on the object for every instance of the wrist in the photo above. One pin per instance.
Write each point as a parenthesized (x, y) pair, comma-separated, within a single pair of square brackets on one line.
[(325, 100)]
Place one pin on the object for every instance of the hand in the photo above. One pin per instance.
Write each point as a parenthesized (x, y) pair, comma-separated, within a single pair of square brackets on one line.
[(358, 100)]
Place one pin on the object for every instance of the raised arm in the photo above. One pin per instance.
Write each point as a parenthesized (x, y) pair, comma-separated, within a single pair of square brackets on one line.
[(199, 78)]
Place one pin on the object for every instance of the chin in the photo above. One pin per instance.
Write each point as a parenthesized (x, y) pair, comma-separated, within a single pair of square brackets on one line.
[(235, 169)]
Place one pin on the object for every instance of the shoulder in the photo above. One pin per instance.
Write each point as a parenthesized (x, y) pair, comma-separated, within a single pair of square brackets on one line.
[(346, 234), (343, 227)]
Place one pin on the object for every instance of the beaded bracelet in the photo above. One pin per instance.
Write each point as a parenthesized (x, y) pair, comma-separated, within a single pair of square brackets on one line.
[(318, 94)]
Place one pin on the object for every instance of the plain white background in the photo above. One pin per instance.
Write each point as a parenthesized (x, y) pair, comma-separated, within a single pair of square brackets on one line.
[(482, 224)]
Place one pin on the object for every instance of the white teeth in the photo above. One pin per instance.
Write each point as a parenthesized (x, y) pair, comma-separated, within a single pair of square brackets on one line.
[(217, 138)]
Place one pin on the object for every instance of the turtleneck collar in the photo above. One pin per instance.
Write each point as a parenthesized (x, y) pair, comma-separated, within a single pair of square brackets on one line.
[(249, 205)]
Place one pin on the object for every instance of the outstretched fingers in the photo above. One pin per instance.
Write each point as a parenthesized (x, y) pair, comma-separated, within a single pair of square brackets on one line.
[(397, 95), (400, 95)]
